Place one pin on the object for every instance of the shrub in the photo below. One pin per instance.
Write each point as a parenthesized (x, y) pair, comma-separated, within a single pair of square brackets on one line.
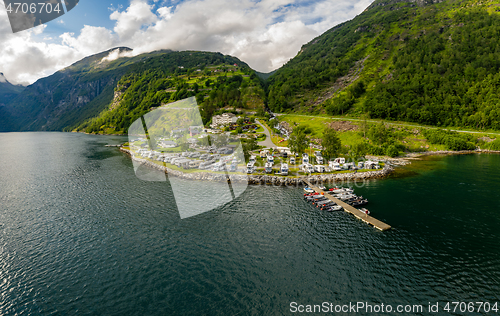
[(452, 140), (392, 151)]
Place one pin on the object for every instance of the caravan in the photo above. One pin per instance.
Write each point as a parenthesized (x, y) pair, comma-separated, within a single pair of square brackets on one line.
[(319, 168), (334, 166), (305, 159), (284, 169), (308, 168), (268, 167), (340, 160)]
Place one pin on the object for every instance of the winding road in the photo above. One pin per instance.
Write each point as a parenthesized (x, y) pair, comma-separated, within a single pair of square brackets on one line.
[(268, 143)]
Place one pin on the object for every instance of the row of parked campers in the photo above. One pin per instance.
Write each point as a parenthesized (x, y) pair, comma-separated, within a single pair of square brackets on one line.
[(317, 154), (310, 168), (342, 165), (222, 150), (204, 162), (251, 164)]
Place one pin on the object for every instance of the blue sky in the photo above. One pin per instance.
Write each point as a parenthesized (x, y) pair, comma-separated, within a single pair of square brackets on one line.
[(263, 33)]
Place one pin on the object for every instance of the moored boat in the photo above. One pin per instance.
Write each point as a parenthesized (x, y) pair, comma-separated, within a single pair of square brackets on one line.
[(308, 190)]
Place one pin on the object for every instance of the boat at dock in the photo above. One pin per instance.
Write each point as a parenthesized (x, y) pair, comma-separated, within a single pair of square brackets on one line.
[(364, 210), (335, 208)]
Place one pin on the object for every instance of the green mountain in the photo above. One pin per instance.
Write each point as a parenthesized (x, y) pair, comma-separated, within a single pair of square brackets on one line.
[(431, 62), (8, 92), (219, 83), (101, 94)]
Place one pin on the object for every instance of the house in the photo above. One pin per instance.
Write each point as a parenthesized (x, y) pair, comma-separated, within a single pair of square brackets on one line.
[(195, 130), (224, 119)]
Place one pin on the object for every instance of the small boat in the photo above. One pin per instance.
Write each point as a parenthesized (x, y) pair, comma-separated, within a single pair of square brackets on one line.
[(359, 202), (364, 210), (309, 190), (322, 188), (309, 194), (334, 208)]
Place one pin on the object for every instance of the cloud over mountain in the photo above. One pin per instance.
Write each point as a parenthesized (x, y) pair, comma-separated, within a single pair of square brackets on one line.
[(265, 34)]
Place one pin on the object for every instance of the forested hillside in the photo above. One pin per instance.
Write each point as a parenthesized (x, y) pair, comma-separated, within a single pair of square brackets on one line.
[(8, 92), (104, 94), (217, 81), (431, 63)]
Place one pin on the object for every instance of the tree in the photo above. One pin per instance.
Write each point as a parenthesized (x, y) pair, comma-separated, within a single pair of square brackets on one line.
[(392, 151), (205, 141), (298, 140), (379, 134), (220, 140), (260, 112), (331, 143), (358, 150), (249, 146), (364, 124), (184, 146)]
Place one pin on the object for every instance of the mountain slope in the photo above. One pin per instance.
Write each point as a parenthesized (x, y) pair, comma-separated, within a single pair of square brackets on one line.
[(430, 62), (104, 93), (8, 91), (66, 96), (217, 82)]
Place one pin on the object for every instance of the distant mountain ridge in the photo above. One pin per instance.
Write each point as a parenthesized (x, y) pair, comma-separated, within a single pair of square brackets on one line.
[(7, 90), (431, 62), (86, 89)]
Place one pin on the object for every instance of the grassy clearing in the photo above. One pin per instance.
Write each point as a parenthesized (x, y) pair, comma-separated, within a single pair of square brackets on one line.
[(409, 134)]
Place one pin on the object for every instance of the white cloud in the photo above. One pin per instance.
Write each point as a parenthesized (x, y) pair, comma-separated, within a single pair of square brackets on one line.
[(114, 54), (130, 21), (265, 34), (91, 40)]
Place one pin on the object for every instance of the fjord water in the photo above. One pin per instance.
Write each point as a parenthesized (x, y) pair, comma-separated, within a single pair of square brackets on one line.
[(80, 234)]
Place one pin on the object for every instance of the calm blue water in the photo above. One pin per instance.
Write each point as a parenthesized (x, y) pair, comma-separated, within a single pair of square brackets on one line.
[(80, 234)]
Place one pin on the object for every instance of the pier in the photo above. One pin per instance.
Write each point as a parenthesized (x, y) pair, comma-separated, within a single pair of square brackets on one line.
[(350, 209)]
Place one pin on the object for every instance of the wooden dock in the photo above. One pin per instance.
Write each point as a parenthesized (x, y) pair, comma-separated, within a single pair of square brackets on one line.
[(350, 209)]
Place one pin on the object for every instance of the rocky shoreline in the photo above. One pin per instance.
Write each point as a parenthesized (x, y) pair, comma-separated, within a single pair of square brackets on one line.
[(265, 179), (408, 158)]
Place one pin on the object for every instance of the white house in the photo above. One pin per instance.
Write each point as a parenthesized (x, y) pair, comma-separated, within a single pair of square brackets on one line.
[(224, 119)]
